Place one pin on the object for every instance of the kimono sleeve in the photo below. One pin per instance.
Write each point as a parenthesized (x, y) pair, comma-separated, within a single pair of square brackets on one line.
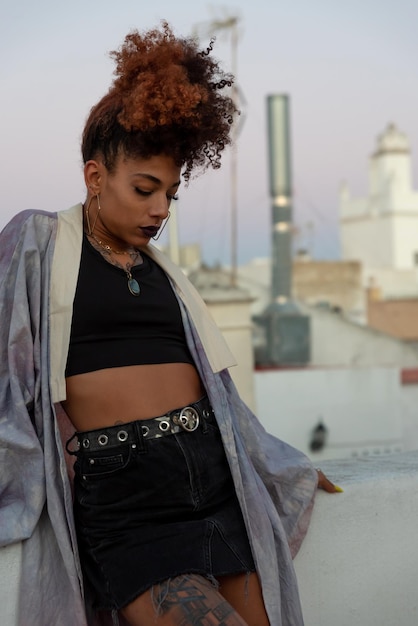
[(24, 244), (288, 475)]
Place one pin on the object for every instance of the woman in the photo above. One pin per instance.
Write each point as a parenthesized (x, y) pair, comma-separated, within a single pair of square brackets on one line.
[(185, 510)]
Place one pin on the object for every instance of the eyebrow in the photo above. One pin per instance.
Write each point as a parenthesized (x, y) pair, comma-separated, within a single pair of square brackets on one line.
[(154, 179)]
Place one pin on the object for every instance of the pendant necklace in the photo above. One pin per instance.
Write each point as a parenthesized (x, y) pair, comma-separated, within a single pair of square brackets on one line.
[(133, 284)]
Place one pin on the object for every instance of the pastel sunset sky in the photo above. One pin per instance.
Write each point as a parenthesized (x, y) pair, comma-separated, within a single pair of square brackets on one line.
[(349, 68)]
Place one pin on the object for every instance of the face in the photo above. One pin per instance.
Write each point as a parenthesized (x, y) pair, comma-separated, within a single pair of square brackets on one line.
[(134, 198)]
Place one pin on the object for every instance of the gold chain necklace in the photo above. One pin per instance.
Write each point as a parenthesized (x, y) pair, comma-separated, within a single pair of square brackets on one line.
[(133, 252)]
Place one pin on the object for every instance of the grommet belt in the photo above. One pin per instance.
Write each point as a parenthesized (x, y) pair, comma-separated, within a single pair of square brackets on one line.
[(185, 419)]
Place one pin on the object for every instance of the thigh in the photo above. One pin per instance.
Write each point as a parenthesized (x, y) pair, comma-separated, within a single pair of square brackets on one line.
[(243, 593), (186, 600)]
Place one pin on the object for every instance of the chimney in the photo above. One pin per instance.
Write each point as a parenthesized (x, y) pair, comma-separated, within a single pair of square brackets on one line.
[(281, 197), (287, 331)]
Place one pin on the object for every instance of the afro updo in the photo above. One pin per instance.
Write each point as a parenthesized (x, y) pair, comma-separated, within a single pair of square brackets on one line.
[(166, 99)]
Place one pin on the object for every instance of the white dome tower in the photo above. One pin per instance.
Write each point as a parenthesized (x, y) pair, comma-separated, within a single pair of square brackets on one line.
[(381, 229), (390, 166)]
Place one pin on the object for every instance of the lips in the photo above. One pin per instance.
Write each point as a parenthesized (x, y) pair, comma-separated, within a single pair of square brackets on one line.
[(150, 231)]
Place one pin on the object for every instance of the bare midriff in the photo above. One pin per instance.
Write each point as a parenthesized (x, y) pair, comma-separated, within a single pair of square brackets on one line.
[(125, 394)]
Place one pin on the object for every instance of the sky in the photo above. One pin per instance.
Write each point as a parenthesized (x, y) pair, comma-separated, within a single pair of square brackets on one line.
[(348, 68)]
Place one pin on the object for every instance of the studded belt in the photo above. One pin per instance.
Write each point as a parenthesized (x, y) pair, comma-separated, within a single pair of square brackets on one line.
[(185, 419)]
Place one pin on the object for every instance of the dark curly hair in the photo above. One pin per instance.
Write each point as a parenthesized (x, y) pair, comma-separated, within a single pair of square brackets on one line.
[(166, 99)]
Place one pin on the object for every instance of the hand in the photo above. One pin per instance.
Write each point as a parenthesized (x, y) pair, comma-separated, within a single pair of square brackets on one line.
[(327, 485)]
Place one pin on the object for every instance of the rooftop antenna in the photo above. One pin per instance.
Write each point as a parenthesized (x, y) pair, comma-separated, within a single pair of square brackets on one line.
[(229, 24)]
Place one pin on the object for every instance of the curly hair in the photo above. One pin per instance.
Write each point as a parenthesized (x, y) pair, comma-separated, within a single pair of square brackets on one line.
[(166, 99)]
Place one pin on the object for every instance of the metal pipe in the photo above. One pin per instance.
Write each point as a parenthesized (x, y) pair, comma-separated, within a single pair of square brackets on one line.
[(281, 196)]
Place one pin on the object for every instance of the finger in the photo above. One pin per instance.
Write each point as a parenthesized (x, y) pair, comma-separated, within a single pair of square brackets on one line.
[(325, 484)]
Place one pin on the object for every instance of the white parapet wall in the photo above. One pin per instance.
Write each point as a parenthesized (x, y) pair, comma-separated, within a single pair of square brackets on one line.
[(358, 565), (10, 568), (366, 410)]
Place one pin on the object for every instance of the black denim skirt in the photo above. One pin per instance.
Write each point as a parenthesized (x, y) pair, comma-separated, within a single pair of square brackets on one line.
[(147, 510)]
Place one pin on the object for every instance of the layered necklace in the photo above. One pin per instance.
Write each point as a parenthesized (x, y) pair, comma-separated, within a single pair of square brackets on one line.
[(133, 284)]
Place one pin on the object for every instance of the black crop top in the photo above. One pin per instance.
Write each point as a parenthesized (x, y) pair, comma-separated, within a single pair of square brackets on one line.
[(112, 328)]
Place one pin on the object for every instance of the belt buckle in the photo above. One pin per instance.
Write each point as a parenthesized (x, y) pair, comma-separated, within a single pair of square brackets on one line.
[(188, 419)]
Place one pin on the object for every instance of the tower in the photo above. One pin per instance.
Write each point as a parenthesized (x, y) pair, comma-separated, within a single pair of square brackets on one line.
[(381, 229)]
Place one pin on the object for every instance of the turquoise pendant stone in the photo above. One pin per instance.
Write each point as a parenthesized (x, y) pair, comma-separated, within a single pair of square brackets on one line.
[(134, 287)]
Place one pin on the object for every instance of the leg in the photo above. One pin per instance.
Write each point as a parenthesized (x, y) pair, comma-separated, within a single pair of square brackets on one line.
[(243, 592), (187, 600)]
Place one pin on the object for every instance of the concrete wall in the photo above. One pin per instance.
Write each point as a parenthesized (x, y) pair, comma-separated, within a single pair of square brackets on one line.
[(409, 411), (340, 283), (10, 572), (358, 564), (232, 316), (392, 283), (230, 307), (338, 342), (362, 409), (382, 240), (336, 282), (368, 239), (406, 238)]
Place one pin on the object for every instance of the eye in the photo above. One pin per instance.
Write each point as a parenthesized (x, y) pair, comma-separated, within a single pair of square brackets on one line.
[(142, 192), (173, 197)]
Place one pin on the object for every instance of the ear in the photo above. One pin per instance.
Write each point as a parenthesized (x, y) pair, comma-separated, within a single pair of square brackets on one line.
[(92, 176)]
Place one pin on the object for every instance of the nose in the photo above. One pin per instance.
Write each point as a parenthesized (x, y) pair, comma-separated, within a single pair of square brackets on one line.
[(160, 206)]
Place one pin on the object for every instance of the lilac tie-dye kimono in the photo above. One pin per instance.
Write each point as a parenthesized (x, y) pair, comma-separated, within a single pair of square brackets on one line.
[(275, 484)]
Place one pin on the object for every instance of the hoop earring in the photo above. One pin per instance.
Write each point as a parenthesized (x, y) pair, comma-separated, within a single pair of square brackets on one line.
[(161, 229), (90, 228)]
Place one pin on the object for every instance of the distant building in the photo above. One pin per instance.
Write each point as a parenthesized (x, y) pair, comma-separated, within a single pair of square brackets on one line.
[(397, 317), (381, 229), (381, 232), (230, 308), (361, 383), (334, 285)]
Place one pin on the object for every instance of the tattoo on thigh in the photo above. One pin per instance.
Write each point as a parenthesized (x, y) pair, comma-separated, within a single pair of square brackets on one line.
[(192, 600)]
